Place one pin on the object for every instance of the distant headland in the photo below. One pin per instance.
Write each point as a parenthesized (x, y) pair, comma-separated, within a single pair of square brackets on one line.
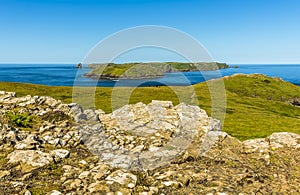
[(113, 71)]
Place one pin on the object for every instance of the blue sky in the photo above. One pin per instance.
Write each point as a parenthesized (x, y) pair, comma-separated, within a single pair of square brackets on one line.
[(233, 31)]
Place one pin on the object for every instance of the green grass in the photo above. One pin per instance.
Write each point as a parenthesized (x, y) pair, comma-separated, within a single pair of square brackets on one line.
[(128, 70), (180, 66), (62, 93), (262, 87), (142, 70), (256, 104)]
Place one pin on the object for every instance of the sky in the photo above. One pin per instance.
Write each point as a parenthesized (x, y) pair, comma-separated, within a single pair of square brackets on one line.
[(232, 31)]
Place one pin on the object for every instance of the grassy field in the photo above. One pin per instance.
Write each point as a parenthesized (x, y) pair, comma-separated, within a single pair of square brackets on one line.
[(256, 105)]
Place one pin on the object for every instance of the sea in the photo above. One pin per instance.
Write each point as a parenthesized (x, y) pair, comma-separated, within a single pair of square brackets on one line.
[(69, 75)]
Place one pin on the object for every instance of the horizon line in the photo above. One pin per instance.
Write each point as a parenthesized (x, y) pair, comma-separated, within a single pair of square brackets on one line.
[(74, 63)]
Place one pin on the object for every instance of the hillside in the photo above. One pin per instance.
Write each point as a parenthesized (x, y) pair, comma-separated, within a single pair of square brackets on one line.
[(146, 70), (257, 105)]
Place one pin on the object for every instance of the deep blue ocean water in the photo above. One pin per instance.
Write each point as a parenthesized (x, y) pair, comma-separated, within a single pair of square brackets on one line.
[(66, 74)]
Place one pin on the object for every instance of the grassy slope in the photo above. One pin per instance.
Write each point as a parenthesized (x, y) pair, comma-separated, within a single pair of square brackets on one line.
[(139, 70), (255, 104)]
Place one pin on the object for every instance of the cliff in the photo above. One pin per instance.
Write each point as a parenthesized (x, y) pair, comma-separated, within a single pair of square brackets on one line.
[(48, 147)]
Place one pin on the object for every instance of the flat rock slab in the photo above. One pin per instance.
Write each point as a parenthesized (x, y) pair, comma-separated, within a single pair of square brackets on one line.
[(33, 158)]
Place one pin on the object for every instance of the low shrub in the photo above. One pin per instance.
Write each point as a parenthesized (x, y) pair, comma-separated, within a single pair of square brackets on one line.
[(19, 119)]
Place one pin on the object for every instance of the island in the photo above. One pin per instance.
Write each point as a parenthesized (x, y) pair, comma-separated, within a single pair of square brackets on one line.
[(112, 71)]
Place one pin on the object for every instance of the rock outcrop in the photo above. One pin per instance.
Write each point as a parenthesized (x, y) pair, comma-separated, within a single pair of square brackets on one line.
[(48, 147), (145, 137), (295, 101)]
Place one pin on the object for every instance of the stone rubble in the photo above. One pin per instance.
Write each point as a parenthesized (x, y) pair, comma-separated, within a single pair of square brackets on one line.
[(145, 137), (157, 148)]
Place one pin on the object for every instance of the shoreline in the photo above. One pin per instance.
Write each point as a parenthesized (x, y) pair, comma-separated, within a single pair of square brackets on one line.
[(95, 77)]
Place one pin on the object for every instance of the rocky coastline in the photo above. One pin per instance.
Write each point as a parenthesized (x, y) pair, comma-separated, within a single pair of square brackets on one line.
[(114, 78), (48, 147)]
